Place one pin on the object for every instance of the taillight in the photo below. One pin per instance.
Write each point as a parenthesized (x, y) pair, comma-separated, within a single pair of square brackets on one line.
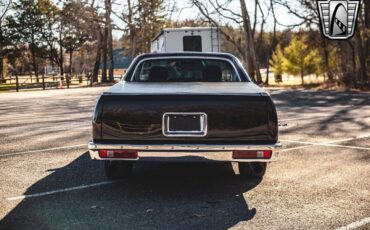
[(127, 154), (252, 154)]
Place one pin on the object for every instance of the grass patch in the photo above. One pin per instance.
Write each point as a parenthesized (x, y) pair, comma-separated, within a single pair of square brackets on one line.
[(7, 87)]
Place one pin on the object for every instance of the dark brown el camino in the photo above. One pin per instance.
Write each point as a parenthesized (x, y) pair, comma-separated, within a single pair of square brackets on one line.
[(185, 107)]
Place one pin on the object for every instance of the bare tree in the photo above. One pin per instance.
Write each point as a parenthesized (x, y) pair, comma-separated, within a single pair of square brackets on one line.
[(99, 47), (272, 42), (28, 25), (108, 10), (4, 8), (110, 40), (249, 49), (131, 28), (61, 62), (96, 23), (220, 10)]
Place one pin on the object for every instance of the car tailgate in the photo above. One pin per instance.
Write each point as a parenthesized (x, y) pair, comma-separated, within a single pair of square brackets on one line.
[(231, 118)]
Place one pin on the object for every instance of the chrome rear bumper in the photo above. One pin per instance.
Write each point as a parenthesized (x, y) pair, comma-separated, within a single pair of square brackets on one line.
[(184, 152)]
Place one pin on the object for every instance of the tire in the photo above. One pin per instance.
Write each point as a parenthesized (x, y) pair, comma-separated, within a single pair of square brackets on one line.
[(252, 170), (117, 169)]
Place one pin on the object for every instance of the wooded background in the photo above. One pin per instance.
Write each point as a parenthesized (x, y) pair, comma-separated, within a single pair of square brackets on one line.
[(77, 37)]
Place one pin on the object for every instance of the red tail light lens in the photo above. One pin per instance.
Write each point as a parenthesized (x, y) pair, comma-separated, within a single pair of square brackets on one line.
[(252, 154), (103, 153), (126, 154)]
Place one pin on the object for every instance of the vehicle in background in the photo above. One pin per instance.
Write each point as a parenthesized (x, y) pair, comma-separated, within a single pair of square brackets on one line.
[(196, 39)]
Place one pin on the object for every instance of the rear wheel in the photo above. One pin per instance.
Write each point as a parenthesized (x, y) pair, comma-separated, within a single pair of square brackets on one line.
[(252, 169), (117, 169)]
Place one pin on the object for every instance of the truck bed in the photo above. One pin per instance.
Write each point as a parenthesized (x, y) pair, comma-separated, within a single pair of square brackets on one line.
[(238, 113)]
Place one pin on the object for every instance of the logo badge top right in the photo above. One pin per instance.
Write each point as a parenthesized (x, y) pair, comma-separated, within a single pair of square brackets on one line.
[(338, 18)]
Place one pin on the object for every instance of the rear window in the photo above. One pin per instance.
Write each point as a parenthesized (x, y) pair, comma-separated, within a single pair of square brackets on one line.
[(185, 70), (192, 43)]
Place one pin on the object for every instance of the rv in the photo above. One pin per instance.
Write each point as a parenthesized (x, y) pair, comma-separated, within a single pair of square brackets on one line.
[(198, 39)]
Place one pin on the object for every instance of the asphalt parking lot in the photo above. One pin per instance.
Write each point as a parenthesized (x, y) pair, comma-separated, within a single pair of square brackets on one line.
[(320, 181)]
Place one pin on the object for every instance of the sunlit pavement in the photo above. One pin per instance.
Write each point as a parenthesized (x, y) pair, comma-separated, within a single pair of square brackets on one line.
[(320, 181)]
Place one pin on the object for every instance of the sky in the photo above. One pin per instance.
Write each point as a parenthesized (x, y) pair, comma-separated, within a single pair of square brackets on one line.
[(185, 11)]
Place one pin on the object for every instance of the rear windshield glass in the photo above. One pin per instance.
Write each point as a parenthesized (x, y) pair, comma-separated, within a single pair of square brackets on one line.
[(185, 70)]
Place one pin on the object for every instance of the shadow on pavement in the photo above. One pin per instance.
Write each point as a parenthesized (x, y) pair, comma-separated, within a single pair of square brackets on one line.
[(159, 196), (339, 105)]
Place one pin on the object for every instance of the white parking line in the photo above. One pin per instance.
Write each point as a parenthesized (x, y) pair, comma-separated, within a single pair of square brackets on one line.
[(356, 224), (303, 118), (42, 150), (61, 190), (327, 143), (295, 148)]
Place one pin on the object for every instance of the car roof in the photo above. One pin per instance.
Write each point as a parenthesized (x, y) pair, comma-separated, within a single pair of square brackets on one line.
[(220, 55), (178, 54)]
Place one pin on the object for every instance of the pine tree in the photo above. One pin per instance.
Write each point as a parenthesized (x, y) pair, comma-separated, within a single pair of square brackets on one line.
[(28, 25), (300, 59), (4, 9), (76, 29), (276, 63)]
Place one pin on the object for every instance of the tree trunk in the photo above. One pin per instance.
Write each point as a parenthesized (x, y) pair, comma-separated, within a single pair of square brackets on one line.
[(250, 54), (367, 13), (69, 75), (16, 82), (133, 46), (111, 60), (61, 62), (271, 49), (302, 78), (105, 41), (104, 64), (354, 65), (1, 55), (366, 34), (326, 60), (255, 18), (367, 38), (132, 30), (34, 64), (363, 70), (43, 81), (4, 11), (32, 46), (83, 72), (361, 52), (260, 37), (70, 62), (98, 56), (110, 40), (302, 73)]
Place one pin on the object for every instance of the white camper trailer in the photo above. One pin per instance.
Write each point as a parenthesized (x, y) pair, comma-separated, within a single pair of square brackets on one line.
[(201, 39)]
